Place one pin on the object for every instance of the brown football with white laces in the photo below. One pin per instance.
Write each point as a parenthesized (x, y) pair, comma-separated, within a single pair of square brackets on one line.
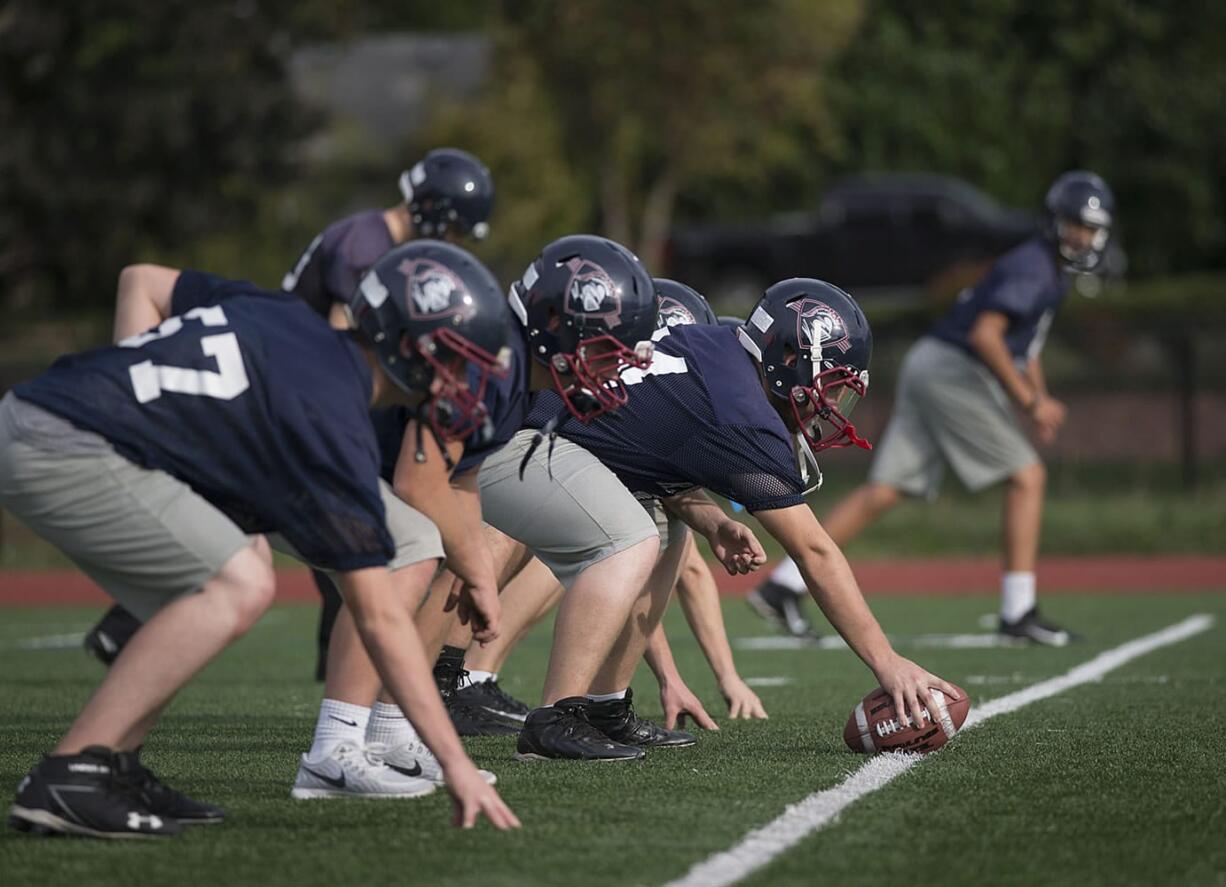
[(874, 726)]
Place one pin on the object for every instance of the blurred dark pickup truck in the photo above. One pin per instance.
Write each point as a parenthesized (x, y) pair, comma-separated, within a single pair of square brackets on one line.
[(898, 234)]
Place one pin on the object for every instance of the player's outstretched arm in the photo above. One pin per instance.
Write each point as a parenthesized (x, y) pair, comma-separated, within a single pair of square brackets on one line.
[(143, 298), (676, 698), (387, 631), (699, 596), (731, 541), (455, 508), (830, 581)]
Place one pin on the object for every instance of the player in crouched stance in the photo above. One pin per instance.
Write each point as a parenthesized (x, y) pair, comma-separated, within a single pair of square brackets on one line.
[(225, 413), (731, 411)]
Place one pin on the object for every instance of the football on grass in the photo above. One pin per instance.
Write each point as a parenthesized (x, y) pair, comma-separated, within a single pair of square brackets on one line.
[(874, 725)]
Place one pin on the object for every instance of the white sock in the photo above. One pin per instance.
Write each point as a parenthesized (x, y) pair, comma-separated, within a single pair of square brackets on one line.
[(476, 676), (388, 725), (788, 575), (1017, 595), (606, 697), (338, 722)]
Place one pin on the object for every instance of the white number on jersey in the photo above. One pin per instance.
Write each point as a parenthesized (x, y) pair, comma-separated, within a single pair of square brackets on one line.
[(230, 380)]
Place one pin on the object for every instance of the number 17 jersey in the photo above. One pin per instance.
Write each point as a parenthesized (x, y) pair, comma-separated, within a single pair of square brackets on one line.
[(250, 399)]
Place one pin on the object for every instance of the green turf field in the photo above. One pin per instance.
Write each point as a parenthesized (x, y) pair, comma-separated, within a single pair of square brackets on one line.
[(1117, 782)]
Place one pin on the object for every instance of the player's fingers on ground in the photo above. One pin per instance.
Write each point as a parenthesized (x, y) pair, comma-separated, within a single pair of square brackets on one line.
[(701, 718), (500, 814)]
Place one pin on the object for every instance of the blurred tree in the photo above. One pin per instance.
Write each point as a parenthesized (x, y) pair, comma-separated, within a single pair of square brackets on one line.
[(601, 112), (1008, 94), (131, 129)]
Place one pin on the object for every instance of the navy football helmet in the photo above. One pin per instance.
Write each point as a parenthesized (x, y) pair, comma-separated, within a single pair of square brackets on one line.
[(589, 308), (814, 346), (430, 310), (448, 191), (1081, 197), (680, 305)]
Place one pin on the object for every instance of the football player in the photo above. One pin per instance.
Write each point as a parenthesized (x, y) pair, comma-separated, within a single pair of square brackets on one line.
[(447, 195), (739, 412), (966, 392), (223, 415), (585, 311), (532, 594)]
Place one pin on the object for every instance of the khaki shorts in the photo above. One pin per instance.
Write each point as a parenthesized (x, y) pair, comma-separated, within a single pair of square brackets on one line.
[(578, 518), (671, 529), (949, 408), (415, 536), (142, 535)]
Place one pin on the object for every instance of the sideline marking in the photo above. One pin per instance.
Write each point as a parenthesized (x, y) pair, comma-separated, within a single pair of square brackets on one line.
[(798, 821), (46, 642)]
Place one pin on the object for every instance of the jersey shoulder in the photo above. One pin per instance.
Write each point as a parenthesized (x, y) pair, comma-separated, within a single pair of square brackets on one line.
[(726, 372)]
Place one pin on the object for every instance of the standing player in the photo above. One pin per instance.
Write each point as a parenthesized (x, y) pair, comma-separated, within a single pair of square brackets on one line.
[(447, 195), (960, 391), (720, 409), (159, 463)]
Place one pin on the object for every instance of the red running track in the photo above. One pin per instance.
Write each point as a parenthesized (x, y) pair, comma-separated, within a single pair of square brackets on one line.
[(904, 576)]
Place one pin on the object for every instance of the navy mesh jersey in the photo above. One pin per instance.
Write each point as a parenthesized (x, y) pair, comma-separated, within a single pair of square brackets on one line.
[(1026, 285), (329, 269), (506, 402), (250, 399), (698, 417)]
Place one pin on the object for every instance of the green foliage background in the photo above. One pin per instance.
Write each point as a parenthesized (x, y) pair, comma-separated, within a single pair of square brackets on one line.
[(170, 132)]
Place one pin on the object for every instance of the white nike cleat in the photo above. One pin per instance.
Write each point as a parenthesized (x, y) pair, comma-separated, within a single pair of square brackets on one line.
[(412, 758), (350, 771)]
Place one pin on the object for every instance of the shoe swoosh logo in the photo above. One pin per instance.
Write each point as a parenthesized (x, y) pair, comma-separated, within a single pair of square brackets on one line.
[(415, 770), (337, 781), (344, 721)]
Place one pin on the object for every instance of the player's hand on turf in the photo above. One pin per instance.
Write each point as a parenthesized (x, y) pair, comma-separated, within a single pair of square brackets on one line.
[(471, 796), (737, 548), (743, 703), (477, 606), (908, 685), (1048, 414), (678, 701)]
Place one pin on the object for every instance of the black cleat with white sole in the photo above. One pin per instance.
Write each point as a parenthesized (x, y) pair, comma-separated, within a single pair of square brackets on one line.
[(470, 718), (92, 794), (781, 607), (1033, 628), (495, 700), (616, 719), (562, 731), (164, 800)]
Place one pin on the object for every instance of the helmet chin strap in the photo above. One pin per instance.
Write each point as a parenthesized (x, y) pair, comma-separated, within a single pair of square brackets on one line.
[(806, 462)]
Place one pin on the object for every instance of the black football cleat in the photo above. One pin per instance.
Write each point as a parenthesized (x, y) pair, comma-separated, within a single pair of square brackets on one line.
[(781, 607), (1035, 629), (468, 719), (164, 800), (92, 794), (495, 700), (617, 720), (562, 731), (112, 633)]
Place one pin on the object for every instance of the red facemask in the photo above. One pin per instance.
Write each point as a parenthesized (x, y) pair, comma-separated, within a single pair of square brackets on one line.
[(456, 410), (821, 409), (597, 387)]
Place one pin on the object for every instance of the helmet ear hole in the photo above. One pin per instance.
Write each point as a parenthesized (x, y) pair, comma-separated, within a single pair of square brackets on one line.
[(789, 355)]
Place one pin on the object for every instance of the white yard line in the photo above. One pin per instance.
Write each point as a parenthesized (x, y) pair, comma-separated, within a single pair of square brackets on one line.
[(819, 809), (985, 640), (772, 681)]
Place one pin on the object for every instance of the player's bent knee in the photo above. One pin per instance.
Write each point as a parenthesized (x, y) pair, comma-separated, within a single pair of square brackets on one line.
[(245, 587), (882, 497), (1031, 478)]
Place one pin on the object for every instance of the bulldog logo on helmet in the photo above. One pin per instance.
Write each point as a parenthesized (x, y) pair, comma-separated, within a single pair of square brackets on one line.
[(673, 313), (818, 326), (432, 290), (591, 291)]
